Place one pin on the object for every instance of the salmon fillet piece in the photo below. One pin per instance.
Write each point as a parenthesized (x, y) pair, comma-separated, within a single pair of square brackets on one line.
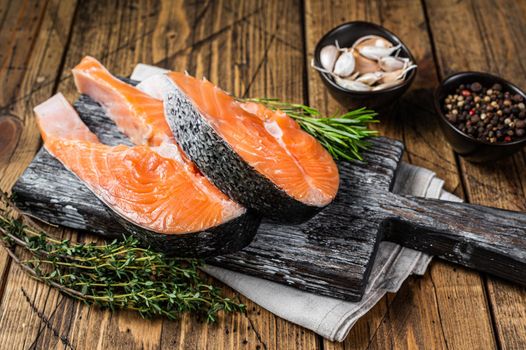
[(144, 185), (136, 114), (270, 141)]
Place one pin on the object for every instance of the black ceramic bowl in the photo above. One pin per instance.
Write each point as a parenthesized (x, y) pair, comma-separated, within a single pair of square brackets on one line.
[(346, 34), (468, 147)]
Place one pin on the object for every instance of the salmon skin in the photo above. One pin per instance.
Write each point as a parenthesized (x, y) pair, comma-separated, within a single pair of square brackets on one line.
[(154, 195), (262, 159)]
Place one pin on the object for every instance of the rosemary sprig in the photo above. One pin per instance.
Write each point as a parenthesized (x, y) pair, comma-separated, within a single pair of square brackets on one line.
[(116, 275), (343, 136)]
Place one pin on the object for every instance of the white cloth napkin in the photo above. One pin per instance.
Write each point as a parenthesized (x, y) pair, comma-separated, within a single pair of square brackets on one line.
[(333, 318)]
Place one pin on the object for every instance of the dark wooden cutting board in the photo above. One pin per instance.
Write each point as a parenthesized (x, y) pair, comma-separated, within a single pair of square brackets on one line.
[(332, 253)]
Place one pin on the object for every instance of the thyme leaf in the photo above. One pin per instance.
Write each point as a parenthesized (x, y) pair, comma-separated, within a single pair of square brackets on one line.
[(116, 275)]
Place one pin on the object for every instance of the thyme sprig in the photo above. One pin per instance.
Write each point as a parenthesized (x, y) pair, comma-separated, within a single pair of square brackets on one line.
[(116, 275), (342, 135)]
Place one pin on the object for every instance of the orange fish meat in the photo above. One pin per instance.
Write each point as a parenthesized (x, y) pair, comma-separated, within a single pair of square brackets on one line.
[(259, 157), (145, 186)]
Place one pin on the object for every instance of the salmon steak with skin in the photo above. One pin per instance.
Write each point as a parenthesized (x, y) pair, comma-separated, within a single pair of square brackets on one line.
[(153, 194), (261, 158), (136, 114)]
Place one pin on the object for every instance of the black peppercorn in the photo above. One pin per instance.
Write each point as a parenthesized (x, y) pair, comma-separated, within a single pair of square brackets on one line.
[(517, 98), (488, 114), (476, 87)]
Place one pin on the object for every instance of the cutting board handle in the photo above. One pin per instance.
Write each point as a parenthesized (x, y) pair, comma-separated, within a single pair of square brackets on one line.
[(486, 239)]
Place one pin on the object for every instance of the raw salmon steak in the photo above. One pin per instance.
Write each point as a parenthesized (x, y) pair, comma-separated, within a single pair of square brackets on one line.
[(137, 115), (154, 195), (261, 158)]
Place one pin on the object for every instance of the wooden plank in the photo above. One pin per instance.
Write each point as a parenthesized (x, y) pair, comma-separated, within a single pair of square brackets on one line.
[(26, 307), (473, 36), (208, 39), (26, 327), (20, 25), (21, 22), (41, 66), (452, 299), (32, 46), (30, 56)]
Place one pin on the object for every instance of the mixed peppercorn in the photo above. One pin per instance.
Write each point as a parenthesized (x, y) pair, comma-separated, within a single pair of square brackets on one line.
[(488, 114)]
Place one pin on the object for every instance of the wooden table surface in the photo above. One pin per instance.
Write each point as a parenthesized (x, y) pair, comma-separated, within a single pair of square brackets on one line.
[(263, 48)]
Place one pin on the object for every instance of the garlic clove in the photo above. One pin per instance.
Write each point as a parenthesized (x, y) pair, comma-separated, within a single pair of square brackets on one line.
[(391, 76), (371, 64), (396, 75), (390, 63), (354, 76), (381, 42), (320, 69), (372, 40), (375, 52), (364, 65), (345, 64), (370, 78), (328, 56), (352, 84), (387, 85)]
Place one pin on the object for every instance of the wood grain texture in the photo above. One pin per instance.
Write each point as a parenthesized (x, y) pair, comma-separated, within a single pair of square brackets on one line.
[(40, 68), (20, 24), (453, 299), (214, 39), (255, 47), (34, 39), (486, 239), (472, 35), (10, 130)]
